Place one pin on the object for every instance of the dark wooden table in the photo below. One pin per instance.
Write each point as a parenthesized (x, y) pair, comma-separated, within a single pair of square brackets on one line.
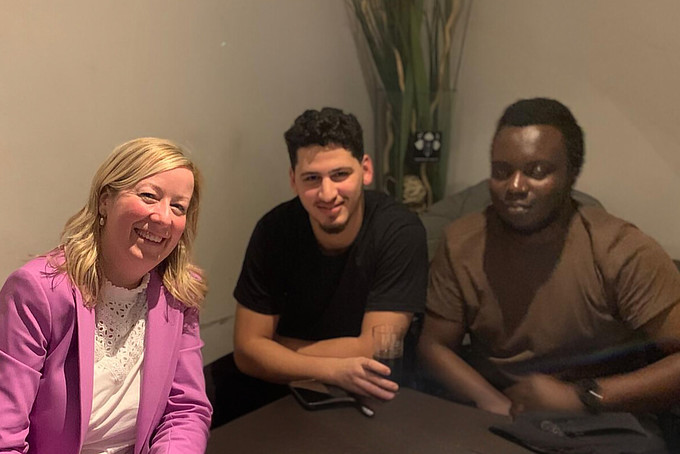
[(411, 423)]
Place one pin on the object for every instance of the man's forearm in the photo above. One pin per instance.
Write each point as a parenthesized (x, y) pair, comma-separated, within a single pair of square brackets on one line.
[(349, 346), (650, 389), (268, 360), (461, 379), (339, 347), (653, 388)]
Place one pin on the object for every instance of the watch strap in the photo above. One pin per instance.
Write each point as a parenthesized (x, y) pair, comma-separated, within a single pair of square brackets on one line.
[(590, 394)]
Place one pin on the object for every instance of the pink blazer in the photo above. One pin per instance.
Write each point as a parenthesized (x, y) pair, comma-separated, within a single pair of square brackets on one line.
[(47, 364)]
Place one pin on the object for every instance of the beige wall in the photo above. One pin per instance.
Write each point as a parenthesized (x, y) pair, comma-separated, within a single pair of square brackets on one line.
[(224, 77), (615, 64)]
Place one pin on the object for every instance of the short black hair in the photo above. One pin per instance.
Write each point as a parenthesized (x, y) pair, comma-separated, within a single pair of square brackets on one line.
[(546, 111), (330, 126)]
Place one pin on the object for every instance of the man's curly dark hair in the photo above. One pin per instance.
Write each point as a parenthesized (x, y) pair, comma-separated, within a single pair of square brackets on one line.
[(330, 126), (546, 111)]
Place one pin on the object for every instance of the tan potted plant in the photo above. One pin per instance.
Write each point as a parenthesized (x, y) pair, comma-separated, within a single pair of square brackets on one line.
[(414, 48)]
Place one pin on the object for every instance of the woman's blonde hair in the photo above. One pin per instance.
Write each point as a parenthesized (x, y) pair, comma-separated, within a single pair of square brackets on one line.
[(128, 164)]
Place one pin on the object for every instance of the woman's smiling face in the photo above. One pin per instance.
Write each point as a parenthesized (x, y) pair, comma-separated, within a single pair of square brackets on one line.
[(143, 224)]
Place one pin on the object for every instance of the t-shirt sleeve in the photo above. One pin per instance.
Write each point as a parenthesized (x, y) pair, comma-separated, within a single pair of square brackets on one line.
[(400, 282), (255, 286), (645, 281), (444, 296)]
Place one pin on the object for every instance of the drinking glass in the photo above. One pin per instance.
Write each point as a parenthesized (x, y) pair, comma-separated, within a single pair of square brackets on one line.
[(388, 348)]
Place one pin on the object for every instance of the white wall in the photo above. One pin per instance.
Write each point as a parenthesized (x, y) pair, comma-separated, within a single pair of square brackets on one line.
[(615, 64), (224, 77)]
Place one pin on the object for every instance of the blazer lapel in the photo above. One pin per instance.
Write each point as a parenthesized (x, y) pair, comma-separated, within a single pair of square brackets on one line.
[(162, 327), (85, 328)]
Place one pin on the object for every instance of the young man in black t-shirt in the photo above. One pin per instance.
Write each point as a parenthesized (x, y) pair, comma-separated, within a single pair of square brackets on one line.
[(324, 268)]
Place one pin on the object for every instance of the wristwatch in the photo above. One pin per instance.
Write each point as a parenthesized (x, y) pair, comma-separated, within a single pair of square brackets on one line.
[(590, 394)]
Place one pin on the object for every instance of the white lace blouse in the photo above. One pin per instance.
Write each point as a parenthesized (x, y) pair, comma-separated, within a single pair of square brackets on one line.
[(118, 355)]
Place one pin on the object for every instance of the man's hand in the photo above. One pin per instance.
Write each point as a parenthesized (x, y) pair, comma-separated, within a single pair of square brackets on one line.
[(362, 376), (495, 404), (542, 392)]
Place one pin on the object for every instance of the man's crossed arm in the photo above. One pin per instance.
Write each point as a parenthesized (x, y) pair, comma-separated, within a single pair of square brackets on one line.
[(655, 387), (345, 362)]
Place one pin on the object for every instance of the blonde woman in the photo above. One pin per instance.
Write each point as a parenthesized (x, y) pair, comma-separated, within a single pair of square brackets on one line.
[(99, 340)]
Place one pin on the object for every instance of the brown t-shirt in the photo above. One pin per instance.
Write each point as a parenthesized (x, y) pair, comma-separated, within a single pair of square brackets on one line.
[(586, 289)]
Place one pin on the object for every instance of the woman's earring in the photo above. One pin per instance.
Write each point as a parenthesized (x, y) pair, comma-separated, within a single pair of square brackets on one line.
[(102, 220)]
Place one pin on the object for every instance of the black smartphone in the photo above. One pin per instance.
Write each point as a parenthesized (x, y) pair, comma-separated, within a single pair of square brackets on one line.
[(313, 395)]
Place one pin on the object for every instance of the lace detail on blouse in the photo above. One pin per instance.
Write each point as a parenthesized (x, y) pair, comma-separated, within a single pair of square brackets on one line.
[(120, 323)]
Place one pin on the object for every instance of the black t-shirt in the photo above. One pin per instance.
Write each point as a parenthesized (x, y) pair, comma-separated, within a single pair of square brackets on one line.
[(321, 297)]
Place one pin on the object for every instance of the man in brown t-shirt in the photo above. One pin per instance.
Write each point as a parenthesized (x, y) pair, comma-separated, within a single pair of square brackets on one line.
[(550, 292)]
